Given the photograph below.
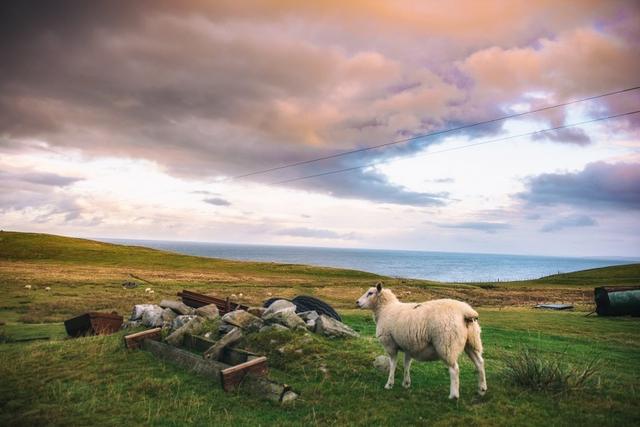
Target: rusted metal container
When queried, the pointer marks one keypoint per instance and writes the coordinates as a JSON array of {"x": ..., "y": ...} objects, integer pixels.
[
  {"x": 93, "y": 323},
  {"x": 195, "y": 300}
]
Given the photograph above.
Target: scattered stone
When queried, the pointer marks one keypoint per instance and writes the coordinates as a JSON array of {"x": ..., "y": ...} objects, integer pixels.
[
  {"x": 289, "y": 396},
  {"x": 330, "y": 327},
  {"x": 311, "y": 324},
  {"x": 286, "y": 318},
  {"x": 215, "y": 350},
  {"x": 130, "y": 324},
  {"x": 243, "y": 320},
  {"x": 308, "y": 315},
  {"x": 208, "y": 335},
  {"x": 129, "y": 285},
  {"x": 280, "y": 305},
  {"x": 257, "y": 311},
  {"x": 177, "y": 306},
  {"x": 381, "y": 363},
  {"x": 274, "y": 327},
  {"x": 180, "y": 321},
  {"x": 139, "y": 309},
  {"x": 191, "y": 327},
  {"x": 168, "y": 316},
  {"x": 210, "y": 312},
  {"x": 152, "y": 317}
]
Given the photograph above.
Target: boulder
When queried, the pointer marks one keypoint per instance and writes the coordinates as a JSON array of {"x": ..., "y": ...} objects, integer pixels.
[
  {"x": 180, "y": 321},
  {"x": 139, "y": 309},
  {"x": 168, "y": 315},
  {"x": 308, "y": 315},
  {"x": 274, "y": 327},
  {"x": 192, "y": 327},
  {"x": 152, "y": 317},
  {"x": 257, "y": 311},
  {"x": 177, "y": 306},
  {"x": 243, "y": 320},
  {"x": 210, "y": 312},
  {"x": 130, "y": 324},
  {"x": 381, "y": 363},
  {"x": 280, "y": 305},
  {"x": 311, "y": 324},
  {"x": 225, "y": 328},
  {"x": 285, "y": 318},
  {"x": 330, "y": 327}
]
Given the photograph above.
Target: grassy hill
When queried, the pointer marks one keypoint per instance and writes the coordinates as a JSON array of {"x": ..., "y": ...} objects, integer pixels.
[{"x": 96, "y": 381}]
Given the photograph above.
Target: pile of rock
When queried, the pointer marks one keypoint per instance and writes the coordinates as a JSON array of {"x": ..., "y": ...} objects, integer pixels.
[{"x": 178, "y": 319}]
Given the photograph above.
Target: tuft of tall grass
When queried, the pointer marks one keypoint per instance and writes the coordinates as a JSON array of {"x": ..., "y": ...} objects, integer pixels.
[{"x": 530, "y": 369}]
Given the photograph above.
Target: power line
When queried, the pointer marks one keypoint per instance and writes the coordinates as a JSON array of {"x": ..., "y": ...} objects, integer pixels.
[
  {"x": 440, "y": 132},
  {"x": 459, "y": 148}
]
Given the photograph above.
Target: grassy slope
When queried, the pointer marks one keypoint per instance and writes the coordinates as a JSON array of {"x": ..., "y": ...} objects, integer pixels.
[{"x": 95, "y": 381}]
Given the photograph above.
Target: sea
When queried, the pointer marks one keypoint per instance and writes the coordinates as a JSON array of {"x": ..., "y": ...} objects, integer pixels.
[{"x": 439, "y": 266}]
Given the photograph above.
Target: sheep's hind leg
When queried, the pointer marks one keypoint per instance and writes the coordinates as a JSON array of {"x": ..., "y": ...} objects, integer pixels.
[
  {"x": 393, "y": 361},
  {"x": 454, "y": 375},
  {"x": 406, "y": 383},
  {"x": 478, "y": 361}
]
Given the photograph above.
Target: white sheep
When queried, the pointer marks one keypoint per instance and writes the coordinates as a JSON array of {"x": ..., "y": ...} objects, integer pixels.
[
  {"x": 433, "y": 330},
  {"x": 47, "y": 289},
  {"x": 147, "y": 290},
  {"x": 27, "y": 287}
]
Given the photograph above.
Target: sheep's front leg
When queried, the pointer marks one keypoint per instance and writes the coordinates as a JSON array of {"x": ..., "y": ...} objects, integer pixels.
[
  {"x": 454, "y": 375},
  {"x": 406, "y": 383},
  {"x": 393, "y": 361}
]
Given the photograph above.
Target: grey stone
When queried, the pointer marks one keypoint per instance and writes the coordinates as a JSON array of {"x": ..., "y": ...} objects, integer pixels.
[
  {"x": 139, "y": 309},
  {"x": 286, "y": 318},
  {"x": 168, "y": 315},
  {"x": 180, "y": 321},
  {"x": 243, "y": 320},
  {"x": 152, "y": 317},
  {"x": 210, "y": 312},
  {"x": 274, "y": 327},
  {"x": 289, "y": 396},
  {"x": 311, "y": 324},
  {"x": 280, "y": 305},
  {"x": 381, "y": 363},
  {"x": 177, "y": 306},
  {"x": 130, "y": 324},
  {"x": 192, "y": 327},
  {"x": 225, "y": 328},
  {"x": 330, "y": 327},
  {"x": 257, "y": 311},
  {"x": 308, "y": 315}
]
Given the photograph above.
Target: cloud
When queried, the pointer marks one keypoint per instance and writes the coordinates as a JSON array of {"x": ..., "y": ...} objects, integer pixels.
[
  {"x": 40, "y": 178},
  {"x": 598, "y": 185},
  {"x": 314, "y": 233},
  {"x": 569, "y": 222},
  {"x": 487, "y": 227},
  {"x": 217, "y": 201},
  {"x": 221, "y": 88}
]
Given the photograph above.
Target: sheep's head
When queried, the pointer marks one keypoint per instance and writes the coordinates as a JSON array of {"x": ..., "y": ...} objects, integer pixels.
[{"x": 370, "y": 298}]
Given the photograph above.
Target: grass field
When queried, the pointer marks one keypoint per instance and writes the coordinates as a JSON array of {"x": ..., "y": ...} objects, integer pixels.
[{"x": 96, "y": 381}]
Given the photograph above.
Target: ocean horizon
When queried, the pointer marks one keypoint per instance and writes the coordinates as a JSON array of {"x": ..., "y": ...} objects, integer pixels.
[{"x": 409, "y": 264}]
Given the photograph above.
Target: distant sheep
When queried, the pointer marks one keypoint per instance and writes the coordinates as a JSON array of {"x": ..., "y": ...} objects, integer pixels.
[
  {"x": 47, "y": 289},
  {"x": 27, "y": 287},
  {"x": 433, "y": 330},
  {"x": 147, "y": 290}
]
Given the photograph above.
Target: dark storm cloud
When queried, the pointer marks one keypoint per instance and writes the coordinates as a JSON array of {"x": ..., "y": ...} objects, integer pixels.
[
  {"x": 598, "y": 185},
  {"x": 217, "y": 201},
  {"x": 222, "y": 88},
  {"x": 570, "y": 221},
  {"x": 487, "y": 227}
]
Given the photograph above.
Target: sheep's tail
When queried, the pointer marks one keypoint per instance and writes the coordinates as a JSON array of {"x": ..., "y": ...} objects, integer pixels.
[{"x": 473, "y": 328}]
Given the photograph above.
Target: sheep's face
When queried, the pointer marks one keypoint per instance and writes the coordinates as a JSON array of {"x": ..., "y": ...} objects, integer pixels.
[{"x": 370, "y": 298}]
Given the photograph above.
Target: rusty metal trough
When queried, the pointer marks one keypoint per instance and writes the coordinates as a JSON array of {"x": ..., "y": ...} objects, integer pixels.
[{"x": 93, "y": 323}]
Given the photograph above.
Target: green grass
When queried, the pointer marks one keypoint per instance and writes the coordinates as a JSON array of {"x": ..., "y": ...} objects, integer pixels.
[{"x": 96, "y": 381}]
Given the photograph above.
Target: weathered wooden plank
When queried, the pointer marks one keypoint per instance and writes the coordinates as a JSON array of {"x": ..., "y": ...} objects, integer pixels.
[
  {"x": 233, "y": 376},
  {"x": 215, "y": 350},
  {"x": 192, "y": 362},
  {"x": 230, "y": 355},
  {"x": 133, "y": 341}
]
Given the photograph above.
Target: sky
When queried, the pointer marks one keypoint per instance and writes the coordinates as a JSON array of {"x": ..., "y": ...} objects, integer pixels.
[{"x": 133, "y": 120}]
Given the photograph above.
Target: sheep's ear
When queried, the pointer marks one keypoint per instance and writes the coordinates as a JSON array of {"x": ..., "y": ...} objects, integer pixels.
[{"x": 379, "y": 286}]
